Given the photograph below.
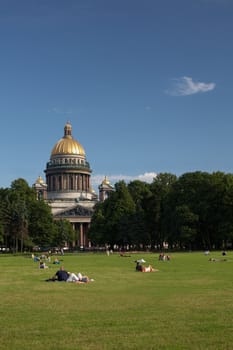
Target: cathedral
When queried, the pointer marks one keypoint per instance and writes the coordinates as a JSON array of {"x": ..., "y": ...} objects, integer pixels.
[{"x": 68, "y": 188}]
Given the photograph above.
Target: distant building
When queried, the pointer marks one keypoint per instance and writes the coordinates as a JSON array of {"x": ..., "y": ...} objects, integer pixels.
[{"x": 68, "y": 188}]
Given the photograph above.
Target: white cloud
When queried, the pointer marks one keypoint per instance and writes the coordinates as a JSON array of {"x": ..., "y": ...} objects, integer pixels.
[
  {"x": 185, "y": 86},
  {"x": 146, "y": 177}
]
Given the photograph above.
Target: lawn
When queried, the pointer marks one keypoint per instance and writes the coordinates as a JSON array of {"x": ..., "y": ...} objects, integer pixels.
[{"x": 187, "y": 304}]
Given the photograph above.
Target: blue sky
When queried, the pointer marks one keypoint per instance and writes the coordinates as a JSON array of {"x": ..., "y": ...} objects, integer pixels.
[{"x": 146, "y": 85}]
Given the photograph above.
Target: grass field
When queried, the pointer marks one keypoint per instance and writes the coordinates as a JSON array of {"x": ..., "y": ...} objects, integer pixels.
[{"x": 187, "y": 304}]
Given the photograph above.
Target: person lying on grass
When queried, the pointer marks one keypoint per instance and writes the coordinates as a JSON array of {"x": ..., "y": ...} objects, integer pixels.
[
  {"x": 42, "y": 265},
  {"x": 148, "y": 269},
  {"x": 217, "y": 260},
  {"x": 84, "y": 279},
  {"x": 142, "y": 268},
  {"x": 63, "y": 276}
]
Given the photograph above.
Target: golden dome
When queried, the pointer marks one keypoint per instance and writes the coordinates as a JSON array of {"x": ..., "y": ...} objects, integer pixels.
[
  {"x": 68, "y": 145},
  {"x": 105, "y": 181},
  {"x": 39, "y": 180}
]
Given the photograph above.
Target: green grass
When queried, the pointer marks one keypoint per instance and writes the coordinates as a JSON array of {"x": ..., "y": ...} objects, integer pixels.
[{"x": 188, "y": 304}]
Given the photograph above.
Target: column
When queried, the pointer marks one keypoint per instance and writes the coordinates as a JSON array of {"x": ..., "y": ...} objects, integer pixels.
[
  {"x": 74, "y": 229},
  {"x": 81, "y": 236}
]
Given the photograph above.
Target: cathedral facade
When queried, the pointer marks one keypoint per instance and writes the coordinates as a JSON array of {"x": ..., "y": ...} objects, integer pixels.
[{"x": 68, "y": 189}]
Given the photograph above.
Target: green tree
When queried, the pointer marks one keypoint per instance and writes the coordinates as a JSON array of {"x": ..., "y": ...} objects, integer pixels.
[
  {"x": 20, "y": 197},
  {"x": 64, "y": 234},
  {"x": 154, "y": 208},
  {"x": 209, "y": 211},
  {"x": 97, "y": 231},
  {"x": 110, "y": 222},
  {"x": 5, "y": 216},
  {"x": 118, "y": 209},
  {"x": 138, "y": 229},
  {"x": 185, "y": 228},
  {"x": 42, "y": 228}
]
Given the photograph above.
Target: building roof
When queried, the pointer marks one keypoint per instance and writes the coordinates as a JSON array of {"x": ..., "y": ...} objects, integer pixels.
[{"x": 67, "y": 145}]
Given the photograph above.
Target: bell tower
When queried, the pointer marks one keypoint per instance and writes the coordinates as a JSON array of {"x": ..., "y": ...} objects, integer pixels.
[
  {"x": 41, "y": 188},
  {"x": 105, "y": 188}
]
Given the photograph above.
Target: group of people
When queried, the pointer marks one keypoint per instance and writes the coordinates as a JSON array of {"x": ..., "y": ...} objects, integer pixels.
[
  {"x": 64, "y": 276},
  {"x": 163, "y": 257},
  {"x": 61, "y": 274},
  {"x": 42, "y": 264},
  {"x": 140, "y": 267}
]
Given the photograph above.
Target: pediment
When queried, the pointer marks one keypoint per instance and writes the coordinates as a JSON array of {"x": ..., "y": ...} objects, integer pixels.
[{"x": 77, "y": 211}]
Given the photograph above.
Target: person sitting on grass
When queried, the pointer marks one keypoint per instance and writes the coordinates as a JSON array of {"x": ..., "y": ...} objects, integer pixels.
[
  {"x": 139, "y": 267},
  {"x": 56, "y": 261},
  {"x": 161, "y": 256}
]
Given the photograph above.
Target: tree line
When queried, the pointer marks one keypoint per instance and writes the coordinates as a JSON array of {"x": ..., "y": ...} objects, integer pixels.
[
  {"x": 26, "y": 222},
  {"x": 193, "y": 211}
]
